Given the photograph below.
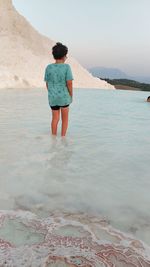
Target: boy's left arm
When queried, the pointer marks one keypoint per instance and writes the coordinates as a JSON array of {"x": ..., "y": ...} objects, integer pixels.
[{"x": 45, "y": 78}]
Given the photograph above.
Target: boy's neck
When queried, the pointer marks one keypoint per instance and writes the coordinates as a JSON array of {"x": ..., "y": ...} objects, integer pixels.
[{"x": 59, "y": 61}]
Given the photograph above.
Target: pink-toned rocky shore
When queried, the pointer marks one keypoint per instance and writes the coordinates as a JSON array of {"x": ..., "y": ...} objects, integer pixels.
[{"x": 66, "y": 240}]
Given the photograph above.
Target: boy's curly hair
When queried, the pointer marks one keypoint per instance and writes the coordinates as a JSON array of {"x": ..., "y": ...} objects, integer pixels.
[{"x": 59, "y": 51}]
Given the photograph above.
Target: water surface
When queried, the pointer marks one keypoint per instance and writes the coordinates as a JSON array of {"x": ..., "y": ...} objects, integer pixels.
[{"x": 101, "y": 167}]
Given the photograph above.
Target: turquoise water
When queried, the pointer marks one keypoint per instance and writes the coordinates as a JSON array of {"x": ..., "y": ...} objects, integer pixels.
[{"x": 101, "y": 167}]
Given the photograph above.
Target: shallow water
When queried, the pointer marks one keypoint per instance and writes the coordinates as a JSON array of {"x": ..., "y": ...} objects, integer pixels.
[{"x": 100, "y": 168}]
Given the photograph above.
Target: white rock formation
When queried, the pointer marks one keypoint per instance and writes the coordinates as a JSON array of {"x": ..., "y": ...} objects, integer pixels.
[{"x": 24, "y": 54}]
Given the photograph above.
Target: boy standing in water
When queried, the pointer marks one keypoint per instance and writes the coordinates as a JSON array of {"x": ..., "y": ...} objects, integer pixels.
[{"x": 58, "y": 78}]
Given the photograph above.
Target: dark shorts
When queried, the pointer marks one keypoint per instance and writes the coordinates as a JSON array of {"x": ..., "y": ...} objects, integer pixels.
[{"x": 58, "y": 107}]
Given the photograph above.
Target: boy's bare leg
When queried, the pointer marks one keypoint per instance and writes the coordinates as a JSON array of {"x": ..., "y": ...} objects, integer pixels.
[
  {"x": 55, "y": 120},
  {"x": 64, "y": 117}
]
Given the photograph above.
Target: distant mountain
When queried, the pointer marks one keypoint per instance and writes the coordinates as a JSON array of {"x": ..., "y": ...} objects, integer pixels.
[
  {"x": 142, "y": 79},
  {"x": 111, "y": 73},
  {"x": 114, "y": 73}
]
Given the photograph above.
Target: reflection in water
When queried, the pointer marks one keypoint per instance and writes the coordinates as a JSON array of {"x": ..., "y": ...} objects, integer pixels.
[{"x": 60, "y": 152}]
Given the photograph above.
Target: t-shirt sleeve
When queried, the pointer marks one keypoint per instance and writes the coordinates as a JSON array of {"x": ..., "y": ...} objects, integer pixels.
[
  {"x": 45, "y": 75},
  {"x": 69, "y": 75}
]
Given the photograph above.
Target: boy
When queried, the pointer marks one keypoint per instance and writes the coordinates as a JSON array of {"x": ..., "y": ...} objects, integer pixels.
[{"x": 58, "y": 78}]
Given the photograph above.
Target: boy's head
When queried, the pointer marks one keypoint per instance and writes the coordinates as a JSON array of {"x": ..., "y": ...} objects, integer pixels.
[
  {"x": 59, "y": 51},
  {"x": 148, "y": 99}
]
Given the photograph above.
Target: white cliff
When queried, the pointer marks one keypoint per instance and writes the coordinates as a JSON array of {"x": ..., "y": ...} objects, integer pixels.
[{"x": 24, "y": 54}]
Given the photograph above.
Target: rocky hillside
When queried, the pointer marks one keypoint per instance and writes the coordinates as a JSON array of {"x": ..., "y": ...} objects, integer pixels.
[{"x": 24, "y": 54}]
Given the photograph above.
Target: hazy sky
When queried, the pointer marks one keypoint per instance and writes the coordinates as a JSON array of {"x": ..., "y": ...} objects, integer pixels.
[{"x": 109, "y": 33}]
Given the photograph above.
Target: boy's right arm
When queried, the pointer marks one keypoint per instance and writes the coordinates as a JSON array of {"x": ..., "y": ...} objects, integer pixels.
[
  {"x": 69, "y": 78},
  {"x": 69, "y": 86}
]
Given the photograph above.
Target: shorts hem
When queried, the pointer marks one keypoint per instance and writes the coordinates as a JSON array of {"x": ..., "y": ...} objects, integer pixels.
[{"x": 57, "y": 107}]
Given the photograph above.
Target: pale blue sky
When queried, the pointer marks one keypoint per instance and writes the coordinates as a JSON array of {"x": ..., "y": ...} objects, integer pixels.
[{"x": 109, "y": 33}]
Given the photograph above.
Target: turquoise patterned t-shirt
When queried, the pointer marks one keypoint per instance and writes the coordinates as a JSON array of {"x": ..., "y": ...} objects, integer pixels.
[{"x": 56, "y": 75}]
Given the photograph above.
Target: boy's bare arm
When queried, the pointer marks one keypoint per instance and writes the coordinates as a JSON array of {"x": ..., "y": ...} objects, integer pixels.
[
  {"x": 47, "y": 85},
  {"x": 69, "y": 86}
]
